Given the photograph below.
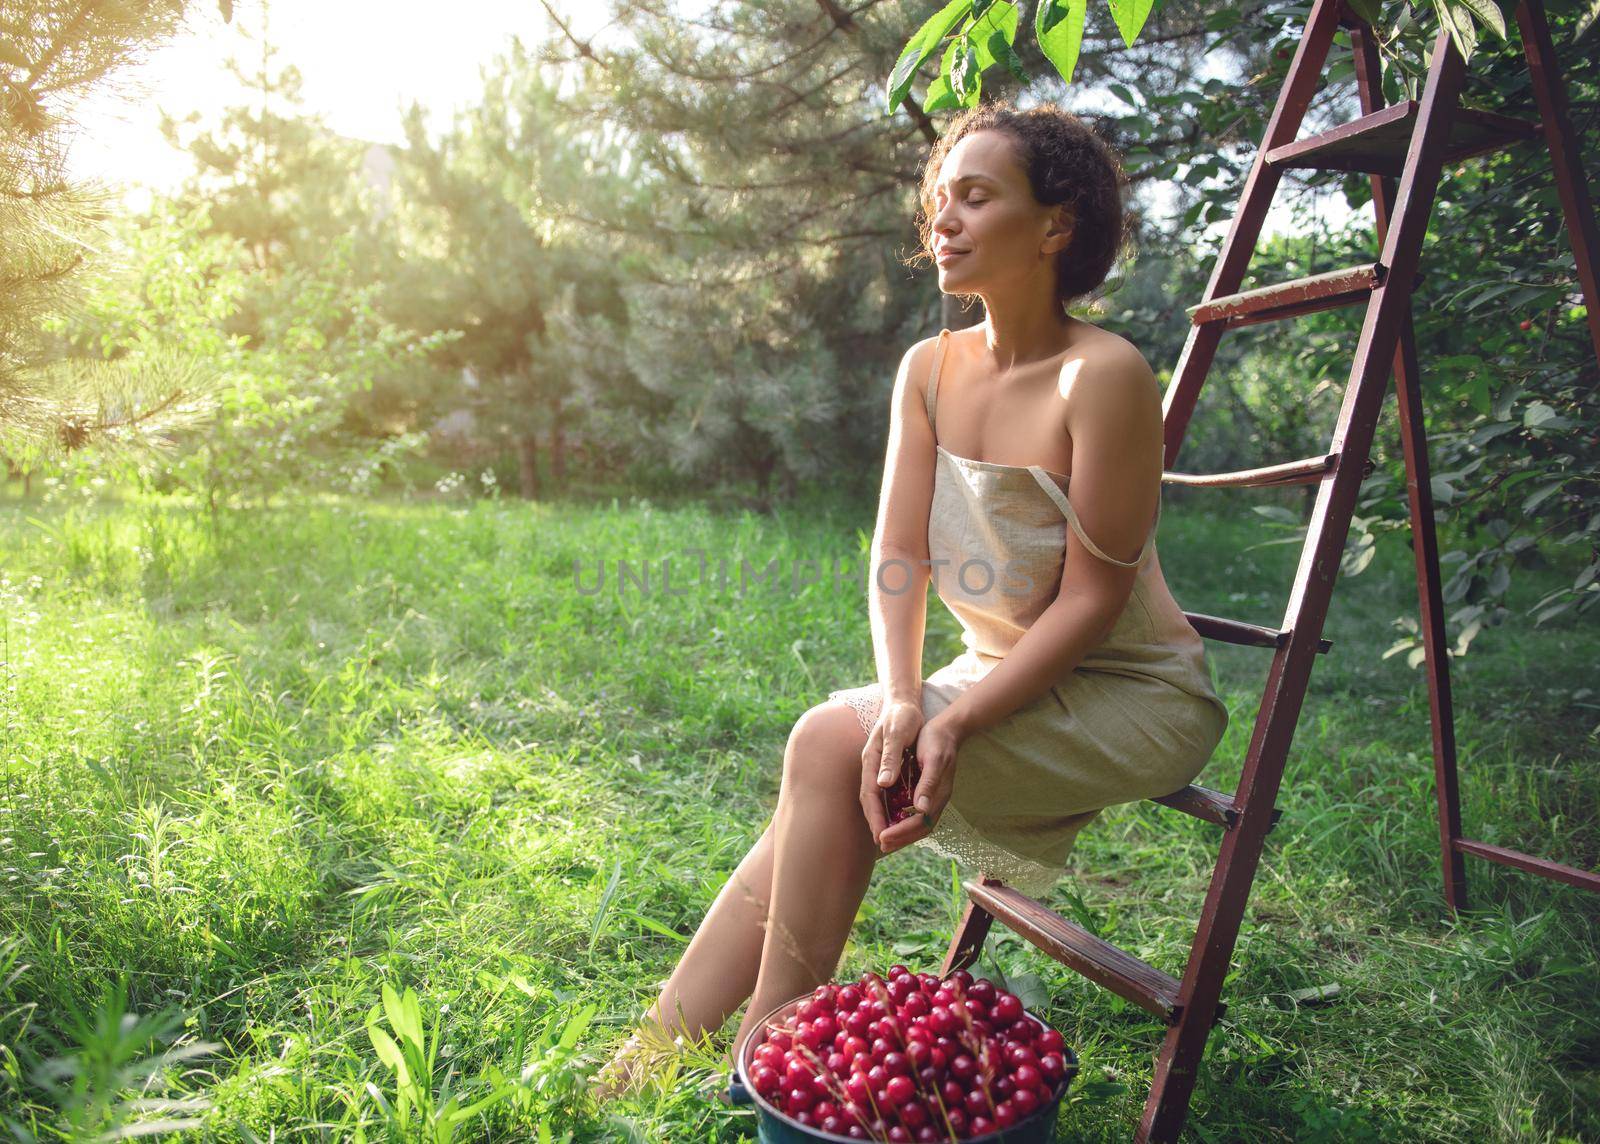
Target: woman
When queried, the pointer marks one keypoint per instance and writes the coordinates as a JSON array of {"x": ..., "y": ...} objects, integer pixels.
[{"x": 1082, "y": 684}]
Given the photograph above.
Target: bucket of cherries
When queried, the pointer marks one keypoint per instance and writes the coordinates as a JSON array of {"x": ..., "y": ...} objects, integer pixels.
[{"x": 909, "y": 1058}]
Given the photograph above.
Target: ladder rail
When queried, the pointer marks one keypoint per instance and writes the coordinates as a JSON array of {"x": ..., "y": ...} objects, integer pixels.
[
  {"x": 1212, "y": 951},
  {"x": 1239, "y": 245}
]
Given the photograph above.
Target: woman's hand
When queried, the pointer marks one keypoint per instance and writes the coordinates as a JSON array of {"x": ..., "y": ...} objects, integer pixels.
[
  {"x": 895, "y": 730},
  {"x": 936, "y": 752}
]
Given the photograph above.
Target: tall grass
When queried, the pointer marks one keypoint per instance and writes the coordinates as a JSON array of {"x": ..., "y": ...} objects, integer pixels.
[{"x": 365, "y": 821}]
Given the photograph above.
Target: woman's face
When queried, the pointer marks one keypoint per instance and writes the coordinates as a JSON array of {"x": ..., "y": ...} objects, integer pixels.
[{"x": 988, "y": 229}]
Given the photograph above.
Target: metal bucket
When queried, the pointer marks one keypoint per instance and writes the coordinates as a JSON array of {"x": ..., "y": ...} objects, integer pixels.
[{"x": 774, "y": 1127}]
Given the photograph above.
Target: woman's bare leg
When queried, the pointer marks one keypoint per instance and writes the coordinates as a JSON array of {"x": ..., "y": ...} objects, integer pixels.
[
  {"x": 718, "y": 969},
  {"x": 823, "y": 858},
  {"x": 729, "y": 953}
]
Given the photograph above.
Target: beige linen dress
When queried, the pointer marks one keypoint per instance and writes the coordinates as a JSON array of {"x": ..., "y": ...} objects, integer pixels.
[{"x": 1137, "y": 718}]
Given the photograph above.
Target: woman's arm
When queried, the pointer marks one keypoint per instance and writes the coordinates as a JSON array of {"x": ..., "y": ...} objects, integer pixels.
[
  {"x": 897, "y": 591},
  {"x": 1113, "y": 413}
]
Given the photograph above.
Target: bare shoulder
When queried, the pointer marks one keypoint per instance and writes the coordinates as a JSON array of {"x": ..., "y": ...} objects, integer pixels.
[
  {"x": 916, "y": 364},
  {"x": 1108, "y": 388},
  {"x": 1107, "y": 367}
]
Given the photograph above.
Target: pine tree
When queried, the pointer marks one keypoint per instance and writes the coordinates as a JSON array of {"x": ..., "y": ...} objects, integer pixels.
[
  {"x": 52, "y": 54},
  {"x": 535, "y": 295}
]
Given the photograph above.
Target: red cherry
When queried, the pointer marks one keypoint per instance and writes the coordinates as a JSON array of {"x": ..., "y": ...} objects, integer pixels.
[
  {"x": 765, "y": 1079},
  {"x": 1007, "y": 1008},
  {"x": 913, "y": 1113},
  {"x": 976, "y": 1101},
  {"x": 1005, "y": 1114},
  {"x": 900, "y": 1090},
  {"x": 981, "y": 1126},
  {"x": 799, "y": 1099},
  {"x": 838, "y": 1062},
  {"x": 952, "y": 1093},
  {"x": 929, "y": 1134},
  {"x": 803, "y": 1116},
  {"x": 1053, "y": 1066},
  {"x": 849, "y": 997},
  {"x": 1025, "y": 1101},
  {"x": 899, "y": 1134},
  {"x": 957, "y": 1118},
  {"x": 1050, "y": 1041},
  {"x": 1027, "y": 1076}
]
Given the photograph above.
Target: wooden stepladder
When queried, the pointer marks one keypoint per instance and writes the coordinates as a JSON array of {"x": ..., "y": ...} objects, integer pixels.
[{"x": 1411, "y": 141}]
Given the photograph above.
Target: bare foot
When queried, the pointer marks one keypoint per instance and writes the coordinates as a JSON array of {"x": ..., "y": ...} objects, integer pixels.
[{"x": 636, "y": 1060}]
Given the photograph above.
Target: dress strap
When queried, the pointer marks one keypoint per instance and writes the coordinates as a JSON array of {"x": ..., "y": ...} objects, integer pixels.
[
  {"x": 1060, "y": 498},
  {"x": 933, "y": 378}
]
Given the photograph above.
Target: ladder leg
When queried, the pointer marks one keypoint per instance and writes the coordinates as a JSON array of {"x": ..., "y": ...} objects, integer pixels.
[
  {"x": 1550, "y": 93},
  {"x": 1225, "y": 902},
  {"x": 967, "y": 943},
  {"x": 1425, "y": 553},
  {"x": 1424, "y": 538}
]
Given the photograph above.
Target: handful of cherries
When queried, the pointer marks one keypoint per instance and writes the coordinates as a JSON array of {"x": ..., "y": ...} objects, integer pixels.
[
  {"x": 897, "y": 804},
  {"x": 913, "y": 1058}
]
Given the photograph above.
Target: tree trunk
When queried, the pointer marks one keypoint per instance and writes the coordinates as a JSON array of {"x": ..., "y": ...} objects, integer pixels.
[
  {"x": 528, "y": 465},
  {"x": 558, "y": 443}
]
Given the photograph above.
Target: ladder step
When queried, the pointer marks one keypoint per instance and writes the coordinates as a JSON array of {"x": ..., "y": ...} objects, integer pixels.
[
  {"x": 1377, "y": 143},
  {"x": 1584, "y": 879},
  {"x": 1210, "y": 805},
  {"x": 1246, "y": 635},
  {"x": 1073, "y": 946},
  {"x": 1288, "y": 299},
  {"x": 1301, "y": 472}
]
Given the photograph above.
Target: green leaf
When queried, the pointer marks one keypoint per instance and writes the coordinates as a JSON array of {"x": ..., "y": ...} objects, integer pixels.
[
  {"x": 1458, "y": 20},
  {"x": 997, "y": 27},
  {"x": 1013, "y": 62},
  {"x": 964, "y": 73},
  {"x": 1587, "y": 21},
  {"x": 1130, "y": 16},
  {"x": 1276, "y": 512},
  {"x": 920, "y": 46},
  {"x": 656, "y": 927},
  {"x": 389, "y": 1053},
  {"x": 1537, "y": 414},
  {"x": 605, "y": 903},
  {"x": 1368, "y": 10},
  {"x": 1058, "y": 24},
  {"x": 1488, "y": 14},
  {"x": 940, "y": 95}
]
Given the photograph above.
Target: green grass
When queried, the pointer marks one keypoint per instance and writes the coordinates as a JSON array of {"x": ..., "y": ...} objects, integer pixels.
[{"x": 248, "y": 778}]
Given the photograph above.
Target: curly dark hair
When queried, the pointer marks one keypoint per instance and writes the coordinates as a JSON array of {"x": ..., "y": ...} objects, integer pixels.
[{"x": 1067, "y": 162}]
